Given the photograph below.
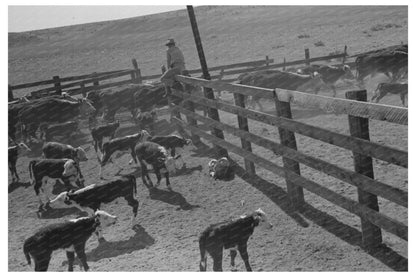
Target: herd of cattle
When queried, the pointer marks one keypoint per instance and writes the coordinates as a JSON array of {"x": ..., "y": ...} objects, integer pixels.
[{"x": 58, "y": 115}]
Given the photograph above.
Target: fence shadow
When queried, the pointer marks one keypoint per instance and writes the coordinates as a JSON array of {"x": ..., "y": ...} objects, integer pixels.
[
  {"x": 343, "y": 231},
  {"x": 172, "y": 198}
]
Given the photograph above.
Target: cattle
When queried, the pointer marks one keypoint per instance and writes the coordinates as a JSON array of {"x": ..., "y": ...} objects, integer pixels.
[
  {"x": 220, "y": 169},
  {"x": 14, "y": 152},
  {"x": 231, "y": 234},
  {"x": 384, "y": 88},
  {"x": 101, "y": 132},
  {"x": 91, "y": 197},
  {"x": 145, "y": 120},
  {"x": 280, "y": 79},
  {"x": 389, "y": 61},
  {"x": 122, "y": 144},
  {"x": 150, "y": 153},
  {"x": 13, "y": 116},
  {"x": 329, "y": 74},
  {"x": 174, "y": 143},
  {"x": 42, "y": 170},
  {"x": 70, "y": 236},
  {"x": 66, "y": 129},
  {"x": 52, "y": 110}
]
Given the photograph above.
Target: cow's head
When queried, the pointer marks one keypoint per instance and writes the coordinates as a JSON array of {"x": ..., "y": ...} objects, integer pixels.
[
  {"x": 105, "y": 219},
  {"x": 81, "y": 155},
  {"x": 23, "y": 148},
  {"x": 86, "y": 107},
  {"x": 70, "y": 169},
  {"x": 144, "y": 135},
  {"x": 347, "y": 72},
  {"x": 261, "y": 218},
  {"x": 63, "y": 200}
]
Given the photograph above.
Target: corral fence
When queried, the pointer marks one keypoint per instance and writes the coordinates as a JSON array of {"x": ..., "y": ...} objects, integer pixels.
[
  {"x": 81, "y": 84},
  {"x": 358, "y": 111}
]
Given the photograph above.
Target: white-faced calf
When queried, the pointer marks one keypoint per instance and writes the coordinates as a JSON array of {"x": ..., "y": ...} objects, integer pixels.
[
  {"x": 231, "y": 234},
  {"x": 71, "y": 236},
  {"x": 150, "y": 153},
  {"x": 101, "y": 132},
  {"x": 14, "y": 152},
  {"x": 59, "y": 169}
]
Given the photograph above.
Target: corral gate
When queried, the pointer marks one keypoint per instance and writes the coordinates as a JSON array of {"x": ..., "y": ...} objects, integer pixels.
[{"x": 359, "y": 112}]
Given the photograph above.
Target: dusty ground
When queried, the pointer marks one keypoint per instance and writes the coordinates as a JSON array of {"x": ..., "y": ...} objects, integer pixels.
[{"x": 320, "y": 238}]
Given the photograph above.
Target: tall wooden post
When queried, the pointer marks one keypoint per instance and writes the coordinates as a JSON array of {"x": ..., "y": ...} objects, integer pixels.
[
  {"x": 284, "y": 64},
  {"x": 57, "y": 84},
  {"x": 345, "y": 54},
  {"x": 212, "y": 113},
  {"x": 287, "y": 138},
  {"x": 243, "y": 125},
  {"x": 267, "y": 61},
  {"x": 137, "y": 73},
  {"x": 371, "y": 234},
  {"x": 11, "y": 97},
  {"x": 307, "y": 56},
  {"x": 95, "y": 82}
]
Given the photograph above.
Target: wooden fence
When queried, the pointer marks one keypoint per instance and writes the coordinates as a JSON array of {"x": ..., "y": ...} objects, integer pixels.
[
  {"x": 359, "y": 112},
  {"x": 81, "y": 84}
]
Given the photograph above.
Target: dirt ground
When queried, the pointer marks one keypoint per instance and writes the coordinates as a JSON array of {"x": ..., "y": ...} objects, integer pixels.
[{"x": 322, "y": 237}]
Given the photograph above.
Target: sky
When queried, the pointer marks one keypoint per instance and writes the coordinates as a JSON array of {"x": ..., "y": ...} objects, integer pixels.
[{"x": 27, "y": 18}]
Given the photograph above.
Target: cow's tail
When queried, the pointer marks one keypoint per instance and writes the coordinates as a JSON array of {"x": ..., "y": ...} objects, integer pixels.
[
  {"x": 203, "y": 251},
  {"x": 26, "y": 252},
  {"x": 31, "y": 174}
]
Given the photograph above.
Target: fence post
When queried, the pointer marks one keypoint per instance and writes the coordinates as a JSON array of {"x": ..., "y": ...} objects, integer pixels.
[
  {"x": 243, "y": 125},
  {"x": 345, "y": 54},
  {"x": 267, "y": 61},
  {"x": 287, "y": 138},
  {"x": 284, "y": 64},
  {"x": 307, "y": 57},
  {"x": 221, "y": 75},
  {"x": 84, "y": 94},
  {"x": 11, "y": 98},
  {"x": 371, "y": 234},
  {"x": 95, "y": 83},
  {"x": 57, "y": 84},
  {"x": 137, "y": 71}
]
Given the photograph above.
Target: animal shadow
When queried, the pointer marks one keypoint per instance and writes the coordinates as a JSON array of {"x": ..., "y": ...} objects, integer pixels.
[
  {"x": 58, "y": 213},
  {"x": 108, "y": 249},
  {"x": 186, "y": 171},
  {"x": 16, "y": 185},
  {"x": 171, "y": 197}
]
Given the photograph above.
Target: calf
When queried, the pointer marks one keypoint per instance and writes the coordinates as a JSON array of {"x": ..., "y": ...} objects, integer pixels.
[
  {"x": 384, "y": 88},
  {"x": 145, "y": 120},
  {"x": 14, "y": 152},
  {"x": 233, "y": 235},
  {"x": 66, "y": 129},
  {"x": 123, "y": 144},
  {"x": 101, "y": 132},
  {"x": 155, "y": 155},
  {"x": 71, "y": 236},
  {"x": 42, "y": 170},
  {"x": 220, "y": 169},
  {"x": 91, "y": 197}
]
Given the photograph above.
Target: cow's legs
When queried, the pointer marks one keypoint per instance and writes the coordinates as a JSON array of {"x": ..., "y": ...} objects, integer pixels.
[
  {"x": 217, "y": 257},
  {"x": 80, "y": 250},
  {"x": 242, "y": 248},
  {"x": 332, "y": 86},
  {"x": 133, "y": 155},
  {"x": 42, "y": 263},
  {"x": 233, "y": 254},
  {"x": 134, "y": 204},
  {"x": 402, "y": 97},
  {"x": 203, "y": 262},
  {"x": 167, "y": 181},
  {"x": 71, "y": 257},
  {"x": 13, "y": 172},
  {"x": 158, "y": 176}
]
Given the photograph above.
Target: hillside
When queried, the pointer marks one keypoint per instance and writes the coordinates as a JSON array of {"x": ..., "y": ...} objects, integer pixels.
[{"x": 229, "y": 34}]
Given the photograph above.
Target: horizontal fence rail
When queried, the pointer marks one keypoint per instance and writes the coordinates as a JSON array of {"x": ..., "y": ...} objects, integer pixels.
[
  {"x": 375, "y": 111},
  {"x": 378, "y": 219},
  {"x": 358, "y": 145}
]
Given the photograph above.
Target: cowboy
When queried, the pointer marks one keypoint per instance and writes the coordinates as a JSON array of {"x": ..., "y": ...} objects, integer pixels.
[{"x": 175, "y": 62}]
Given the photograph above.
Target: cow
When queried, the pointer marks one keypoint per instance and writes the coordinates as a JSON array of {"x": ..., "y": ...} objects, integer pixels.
[
  {"x": 280, "y": 79},
  {"x": 91, "y": 197},
  {"x": 150, "y": 153},
  {"x": 389, "y": 61},
  {"x": 42, "y": 170},
  {"x": 145, "y": 120},
  {"x": 384, "y": 88},
  {"x": 70, "y": 236},
  {"x": 220, "y": 169},
  {"x": 122, "y": 144},
  {"x": 101, "y": 132},
  {"x": 14, "y": 152},
  {"x": 52, "y": 110},
  {"x": 329, "y": 74},
  {"x": 66, "y": 129},
  {"x": 231, "y": 234},
  {"x": 13, "y": 116}
]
